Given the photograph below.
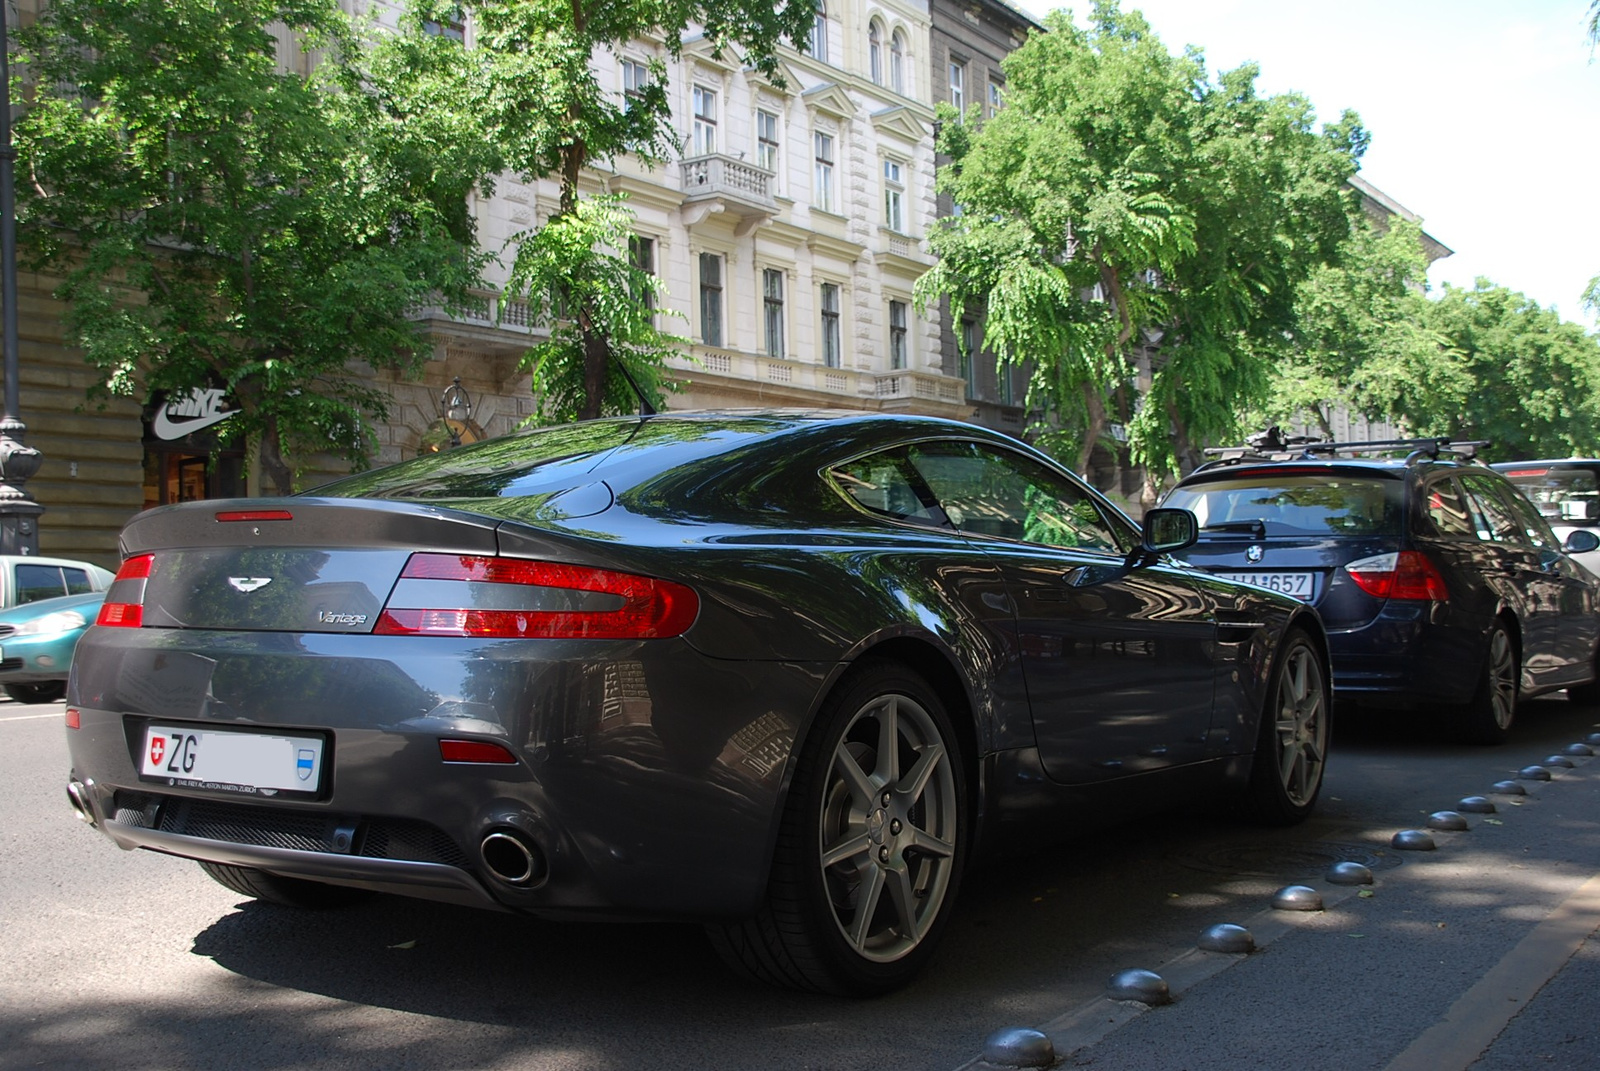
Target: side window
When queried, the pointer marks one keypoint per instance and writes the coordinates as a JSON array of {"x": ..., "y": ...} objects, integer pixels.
[
  {"x": 77, "y": 581},
  {"x": 1447, "y": 510},
  {"x": 1496, "y": 523},
  {"x": 1534, "y": 526},
  {"x": 882, "y": 484},
  {"x": 35, "y": 582},
  {"x": 988, "y": 491}
]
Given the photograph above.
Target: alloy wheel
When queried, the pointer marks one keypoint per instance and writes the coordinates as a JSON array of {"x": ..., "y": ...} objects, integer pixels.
[{"x": 1302, "y": 726}]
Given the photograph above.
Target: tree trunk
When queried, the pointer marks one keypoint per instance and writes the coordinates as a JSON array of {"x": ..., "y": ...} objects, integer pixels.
[
  {"x": 596, "y": 370},
  {"x": 272, "y": 464},
  {"x": 1095, "y": 408}
]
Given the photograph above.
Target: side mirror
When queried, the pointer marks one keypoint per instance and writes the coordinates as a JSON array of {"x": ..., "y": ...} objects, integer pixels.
[
  {"x": 1167, "y": 530},
  {"x": 1581, "y": 542}
]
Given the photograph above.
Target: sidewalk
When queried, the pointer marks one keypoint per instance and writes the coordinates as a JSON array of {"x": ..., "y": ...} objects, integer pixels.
[{"x": 1480, "y": 954}]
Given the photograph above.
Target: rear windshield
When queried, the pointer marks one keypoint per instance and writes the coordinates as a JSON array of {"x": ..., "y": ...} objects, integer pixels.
[
  {"x": 1565, "y": 494},
  {"x": 544, "y": 460},
  {"x": 1294, "y": 505}
]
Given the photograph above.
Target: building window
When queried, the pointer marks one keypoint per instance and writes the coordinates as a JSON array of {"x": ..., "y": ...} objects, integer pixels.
[
  {"x": 894, "y": 195},
  {"x": 830, "y": 325},
  {"x": 642, "y": 257},
  {"x": 897, "y": 62},
  {"x": 453, "y": 25},
  {"x": 823, "y": 179},
  {"x": 958, "y": 85},
  {"x": 897, "y": 334},
  {"x": 996, "y": 99},
  {"x": 711, "y": 299},
  {"x": 772, "y": 310},
  {"x": 819, "y": 32},
  {"x": 875, "y": 52},
  {"x": 767, "y": 141},
  {"x": 635, "y": 79},
  {"x": 1003, "y": 374},
  {"x": 969, "y": 357},
  {"x": 705, "y": 121}
]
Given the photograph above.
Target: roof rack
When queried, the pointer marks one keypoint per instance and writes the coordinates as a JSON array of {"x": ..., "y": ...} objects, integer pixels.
[{"x": 1271, "y": 445}]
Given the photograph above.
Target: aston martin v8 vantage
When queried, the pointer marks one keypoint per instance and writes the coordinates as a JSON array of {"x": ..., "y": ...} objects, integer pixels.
[{"x": 786, "y": 673}]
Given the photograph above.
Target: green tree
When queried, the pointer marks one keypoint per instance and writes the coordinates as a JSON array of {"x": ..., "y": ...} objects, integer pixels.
[
  {"x": 1362, "y": 339},
  {"x": 1535, "y": 378},
  {"x": 1122, "y": 196},
  {"x": 220, "y": 222},
  {"x": 529, "y": 77}
]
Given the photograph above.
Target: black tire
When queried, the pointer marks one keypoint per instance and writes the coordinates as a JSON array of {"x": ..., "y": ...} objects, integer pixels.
[
  {"x": 1487, "y": 719},
  {"x": 895, "y": 827},
  {"x": 276, "y": 889},
  {"x": 43, "y": 692},
  {"x": 1292, "y": 741}
]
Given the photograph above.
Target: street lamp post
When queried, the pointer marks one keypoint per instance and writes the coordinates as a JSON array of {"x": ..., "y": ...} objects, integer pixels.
[
  {"x": 455, "y": 407},
  {"x": 19, "y": 513}
]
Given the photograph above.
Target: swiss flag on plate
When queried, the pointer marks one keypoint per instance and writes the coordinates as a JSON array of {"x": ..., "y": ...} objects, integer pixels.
[{"x": 158, "y": 748}]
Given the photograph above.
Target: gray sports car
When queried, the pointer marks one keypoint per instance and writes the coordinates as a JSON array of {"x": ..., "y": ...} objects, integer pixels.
[{"x": 788, "y": 673}]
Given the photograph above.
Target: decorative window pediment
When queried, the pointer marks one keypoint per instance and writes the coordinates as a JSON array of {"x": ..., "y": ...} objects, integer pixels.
[
  {"x": 900, "y": 122},
  {"x": 830, "y": 99}
]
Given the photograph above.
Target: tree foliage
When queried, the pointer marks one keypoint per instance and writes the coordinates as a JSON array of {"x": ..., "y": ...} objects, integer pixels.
[
  {"x": 220, "y": 222},
  {"x": 529, "y": 79},
  {"x": 1362, "y": 339},
  {"x": 1122, "y": 191},
  {"x": 1535, "y": 379}
]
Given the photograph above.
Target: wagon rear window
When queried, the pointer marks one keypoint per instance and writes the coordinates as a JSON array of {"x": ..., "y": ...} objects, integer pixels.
[{"x": 1296, "y": 505}]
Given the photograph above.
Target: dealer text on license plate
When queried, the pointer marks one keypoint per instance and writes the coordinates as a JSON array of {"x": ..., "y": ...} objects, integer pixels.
[
  {"x": 1296, "y": 584},
  {"x": 232, "y": 761}
]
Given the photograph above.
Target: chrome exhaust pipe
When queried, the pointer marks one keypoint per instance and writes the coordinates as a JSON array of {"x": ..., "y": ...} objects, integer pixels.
[
  {"x": 78, "y": 796},
  {"x": 511, "y": 858}
]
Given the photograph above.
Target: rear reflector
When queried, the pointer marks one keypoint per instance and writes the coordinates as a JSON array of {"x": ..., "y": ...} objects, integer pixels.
[
  {"x": 74, "y": 718},
  {"x": 254, "y": 515},
  {"x": 1408, "y": 574},
  {"x": 521, "y": 599},
  {"x": 124, "y": 605},
  {"x": 475, "y": 751}
]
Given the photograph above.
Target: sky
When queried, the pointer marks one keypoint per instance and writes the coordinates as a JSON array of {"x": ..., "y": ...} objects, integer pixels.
[{"x": 1484, "y": 116}]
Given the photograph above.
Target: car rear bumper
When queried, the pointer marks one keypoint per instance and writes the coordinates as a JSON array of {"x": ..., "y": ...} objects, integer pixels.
[
  {"x": 648, "y": 777},
  {"x": 1412, "y": 652}
]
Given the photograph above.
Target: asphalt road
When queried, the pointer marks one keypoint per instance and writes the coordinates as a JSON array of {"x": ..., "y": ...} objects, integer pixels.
[{"x": 1477, "y": 949}]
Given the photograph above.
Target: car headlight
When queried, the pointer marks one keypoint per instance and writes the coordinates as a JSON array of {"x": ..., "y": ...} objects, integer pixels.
[{"x": 60, "y": 621}]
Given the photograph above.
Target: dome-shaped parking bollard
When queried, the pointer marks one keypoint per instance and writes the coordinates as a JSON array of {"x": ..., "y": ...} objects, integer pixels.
[
  {"x": 1509, "y": 788},
  {"x": 1559, "y": 761},
  {"x": 1582, "y": 751},
  {"x": 1147, "y": 987},
  {"x": 1226, "y": 937},
  {"x": 1534, "y": 773},
  {"x": 1593, "y": 738},
  {"x": 1017, "y": 1046},
  {"x": 1348, "y": 873},
  {"x": 1412, "y": 840},
  {"x": 1450, "y": 820},
  {"x": 1476, "y": 804},
  {"x": 1297, "y": 898}
]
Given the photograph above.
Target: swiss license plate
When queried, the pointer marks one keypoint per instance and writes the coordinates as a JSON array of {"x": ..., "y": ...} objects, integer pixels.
[
  {"x": 1296, "y": 584},
  {"x": 225, "y": 761}
]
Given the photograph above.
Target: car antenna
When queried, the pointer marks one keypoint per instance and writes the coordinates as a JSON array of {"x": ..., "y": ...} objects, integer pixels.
[{"x": 645, "y": 408}]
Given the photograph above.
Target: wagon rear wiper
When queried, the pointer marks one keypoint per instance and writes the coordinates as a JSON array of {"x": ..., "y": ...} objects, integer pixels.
[{"x": 1254, "y": 529}]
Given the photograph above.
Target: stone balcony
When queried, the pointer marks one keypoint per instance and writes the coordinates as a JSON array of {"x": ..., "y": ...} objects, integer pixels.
[{"x": 718, "y": 183}]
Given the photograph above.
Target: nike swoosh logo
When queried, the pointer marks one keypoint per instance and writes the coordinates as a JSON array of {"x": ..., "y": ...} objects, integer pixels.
[{"x": 165, "y": 427}]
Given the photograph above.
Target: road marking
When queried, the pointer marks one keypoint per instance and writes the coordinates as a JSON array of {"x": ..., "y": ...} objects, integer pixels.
[
  {"x": 1482, "y": 1012},
  {"x": 33, "y": 717}
]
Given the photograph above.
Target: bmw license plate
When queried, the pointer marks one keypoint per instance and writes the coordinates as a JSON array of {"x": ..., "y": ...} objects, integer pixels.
[
  {"x": 225, "y": 761},
  {"x": 1296, "y": 584}
]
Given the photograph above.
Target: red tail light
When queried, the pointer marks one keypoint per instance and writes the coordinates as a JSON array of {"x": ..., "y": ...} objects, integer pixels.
[
  {"x": 124, "y": 605},
  {"x": 254, "y": 515},
  {"x": 475, "y": 751},
  {"x": 464, "y": 595},
  {"x": 1408, "y": 574}
]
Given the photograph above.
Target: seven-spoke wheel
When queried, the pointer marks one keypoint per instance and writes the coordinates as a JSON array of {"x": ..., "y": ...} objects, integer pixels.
[
  {"x": 872, "y": 844},
  {"x": 1292, "y": 745}
]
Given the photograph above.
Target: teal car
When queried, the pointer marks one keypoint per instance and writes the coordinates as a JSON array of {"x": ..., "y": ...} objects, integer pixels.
[{"x": 36, "y": 644}]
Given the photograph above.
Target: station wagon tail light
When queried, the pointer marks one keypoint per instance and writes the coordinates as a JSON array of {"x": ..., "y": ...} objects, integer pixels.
[
  {"x": 1407, "y": 574},
  {"x": 124, "y": 605},
  {"x": 516, "y": 598}
]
